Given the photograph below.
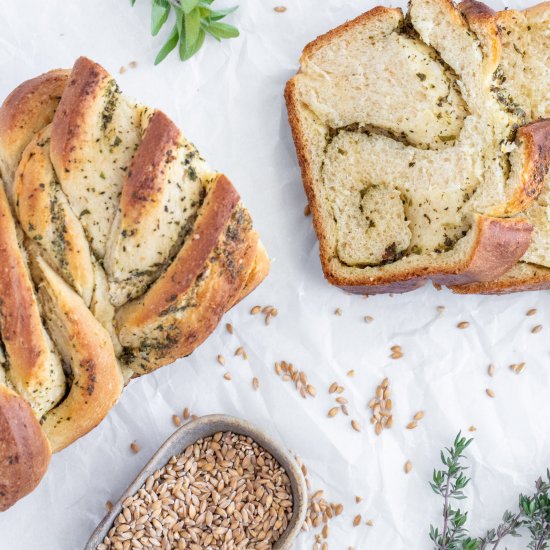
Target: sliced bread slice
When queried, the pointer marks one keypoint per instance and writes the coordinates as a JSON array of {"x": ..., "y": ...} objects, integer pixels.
[{"x": 411, "y": 160}]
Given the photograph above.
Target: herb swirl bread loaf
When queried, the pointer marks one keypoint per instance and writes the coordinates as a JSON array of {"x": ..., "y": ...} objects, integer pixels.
[
  {"x": 419, "y": 159},
  {"x": 121, "y": 250}
]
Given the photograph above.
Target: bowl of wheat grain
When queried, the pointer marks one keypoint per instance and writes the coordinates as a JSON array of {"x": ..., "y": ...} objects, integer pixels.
[{"x": 218, "y": 482}]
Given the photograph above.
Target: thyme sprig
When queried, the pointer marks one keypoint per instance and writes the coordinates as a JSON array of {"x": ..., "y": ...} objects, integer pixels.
[
  {"x": 450, "y": 484},
  {"x": 532, "y": 515},
  {"x": 536, "y": 514},
  {"x": 509, "y": 526},
  {"x": 194, "y": 19}
]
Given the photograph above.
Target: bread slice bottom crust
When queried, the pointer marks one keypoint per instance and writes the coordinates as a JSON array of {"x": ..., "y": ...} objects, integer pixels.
[{"x": 490, "y": 248}]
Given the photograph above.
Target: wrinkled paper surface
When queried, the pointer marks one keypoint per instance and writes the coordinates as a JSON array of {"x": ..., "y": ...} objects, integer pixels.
[{"x": 229, "y": 101}]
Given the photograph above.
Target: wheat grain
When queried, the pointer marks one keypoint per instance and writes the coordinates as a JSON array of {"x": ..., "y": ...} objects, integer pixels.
[{"x": 224, "y": 491}]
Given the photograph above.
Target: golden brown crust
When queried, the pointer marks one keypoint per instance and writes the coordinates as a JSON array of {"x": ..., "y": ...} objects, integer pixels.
[
  {"x": 538, "y": 278},
  {"x": 481, "y": 19},
  {"x": 500, "y": 243},
  {"x": 472, "y": 9},
  {"x": 536, "y": 139},
  {"x": 29, "y": 108},
  {"x": 224, "y": 278},
  {"x": 47, "y": 219},
  {"x": 328, "y": 37},
  {"x": 259, "y": 271},
  {"x": 19, "y": 320},
  {"x": 306, "y": 168},
  {"x": 146, "y": 176},
  {"x": 87, "y": 349},
  {"x": 180, "y": 330},
  {"x": 537, "y": 11},
  {"x": 25, "y": 340},
  {"x": 86, "y": 83},
  {"x": 189, "y": 262},
  {"x": 185, "y": 304},
  {"x": 24, "y": 449}
]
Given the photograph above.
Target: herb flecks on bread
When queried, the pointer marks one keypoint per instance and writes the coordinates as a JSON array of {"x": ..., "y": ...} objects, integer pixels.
[{"x": 120, "y": 251}]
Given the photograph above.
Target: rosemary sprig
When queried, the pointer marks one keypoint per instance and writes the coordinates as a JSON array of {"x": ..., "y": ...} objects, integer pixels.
[
  {"x": 193, "y": 20},
  {"x": 533, "y": 512}
]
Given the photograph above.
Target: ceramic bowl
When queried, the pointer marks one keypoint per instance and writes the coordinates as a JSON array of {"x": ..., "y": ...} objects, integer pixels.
[{"x": 205, "y": 427}]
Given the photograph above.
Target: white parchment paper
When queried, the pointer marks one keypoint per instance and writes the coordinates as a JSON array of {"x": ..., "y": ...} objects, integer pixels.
[{"x": 229, "y": 101}]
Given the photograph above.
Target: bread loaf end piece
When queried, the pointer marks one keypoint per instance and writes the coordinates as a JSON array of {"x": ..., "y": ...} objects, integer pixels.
[{"x": 24, "y": 449}]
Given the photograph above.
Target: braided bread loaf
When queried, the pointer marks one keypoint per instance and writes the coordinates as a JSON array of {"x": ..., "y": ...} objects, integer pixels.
[{"x": 121, "y": 250}]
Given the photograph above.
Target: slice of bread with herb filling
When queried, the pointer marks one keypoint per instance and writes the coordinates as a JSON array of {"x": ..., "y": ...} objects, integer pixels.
[{"x": 416, "y": 161}]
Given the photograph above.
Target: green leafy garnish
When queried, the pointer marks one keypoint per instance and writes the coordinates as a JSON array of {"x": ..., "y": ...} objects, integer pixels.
[
  {"x": 193, "y": 20},
  {"x": 449, "y": 483},
  {"x": 532, "y": 515}
]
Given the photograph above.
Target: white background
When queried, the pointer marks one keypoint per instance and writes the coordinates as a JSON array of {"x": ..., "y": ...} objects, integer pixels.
[{"x": 229, "y": 101}]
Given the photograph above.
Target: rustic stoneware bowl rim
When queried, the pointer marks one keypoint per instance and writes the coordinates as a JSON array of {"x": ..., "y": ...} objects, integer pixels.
[{"x": 206, "y": 426}]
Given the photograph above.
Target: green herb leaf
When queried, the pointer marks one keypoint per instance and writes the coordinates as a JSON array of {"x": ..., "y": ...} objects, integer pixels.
[
  {"x": 194, "y": 18},
  {"x": 192, "y": 28},
  {"x": 159, "y": 14},
  {"x": 170, "y": 44},
  {"x": 180, "y": 19},
  {"x": 222, "y": 30},
  {"x": 220, "y": 14},
  {"x": 533, "y": 512},
  {"x": 194, "y": 48},
  {"x": 188, "y": 5}
]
